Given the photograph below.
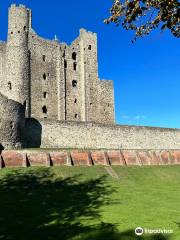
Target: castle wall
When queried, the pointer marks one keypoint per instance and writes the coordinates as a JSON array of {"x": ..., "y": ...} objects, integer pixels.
[
  {"x": 3, "y": 83},
  {"x": 12, "y": 123},
  {"x": 44, "y": 82},
  {"x": 74, "y": 83},
  {"x": 58, "y": 134},
  {"x": 82, "y": 100},
  {"x": 105, "y": 102}
]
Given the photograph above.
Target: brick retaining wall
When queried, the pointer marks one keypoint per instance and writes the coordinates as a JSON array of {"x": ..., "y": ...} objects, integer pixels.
[{"x": 76, "y": 158}]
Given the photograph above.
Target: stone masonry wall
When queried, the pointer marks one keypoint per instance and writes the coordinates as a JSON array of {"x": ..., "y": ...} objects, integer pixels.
[
  {"x": 52, "y": 79},
  {"x": 57, "y": 134},
  {"x": 12, "y": 123}
]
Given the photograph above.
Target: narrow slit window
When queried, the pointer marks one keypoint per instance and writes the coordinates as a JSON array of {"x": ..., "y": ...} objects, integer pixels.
[
  {"x": 74, "y": 56},
  {"x": 65, "y": 64},
  {"x": 9, "y": 85},
  {"x": 24, "y": 28},
  {"x": 44, "y": 109},
  {"x": 75, "y": 116},
  {"x": 45, "y": 94},
  {"x": 75, "y": 100},
  {"x": 44, "y": 58},
  {"x": 44, "y": 76},
  {"x": 74, "y": 66},
  {"x": 74, "y": 83}
]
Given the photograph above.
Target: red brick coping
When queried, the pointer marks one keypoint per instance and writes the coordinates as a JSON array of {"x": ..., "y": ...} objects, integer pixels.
[{"x": 76, "y": 158}]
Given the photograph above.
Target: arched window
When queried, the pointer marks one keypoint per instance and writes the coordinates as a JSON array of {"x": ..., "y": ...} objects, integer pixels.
[
  {"x": 74, "y": 83},
  {"x": 44, "y": 109},
  {"x": 74, "y": 56}
]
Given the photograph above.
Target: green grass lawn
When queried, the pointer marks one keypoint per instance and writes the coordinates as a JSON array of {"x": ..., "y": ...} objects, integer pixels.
[{"x": 86, "y": 203}]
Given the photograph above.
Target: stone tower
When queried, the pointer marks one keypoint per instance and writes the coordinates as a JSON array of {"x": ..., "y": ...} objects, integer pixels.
[
  {"x": 17, "y": 56},
  {"x": 48, "y": 79}
]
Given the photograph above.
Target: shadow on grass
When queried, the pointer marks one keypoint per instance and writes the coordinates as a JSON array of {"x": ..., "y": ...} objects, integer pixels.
[{"x": 36, "y": 206}]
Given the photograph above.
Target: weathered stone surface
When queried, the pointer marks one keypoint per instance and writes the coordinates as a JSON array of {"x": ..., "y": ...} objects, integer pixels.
[
  {"x": 98, "y": 158},
  {"x": 59, "y": 158},
  {"x": 12, "y": 159},
  {"x": 115, "y": 158},
  {"x": 80, "y": 158},
  {"x": 130, "y": 157},
  {"x": 37, "y": 159},
  {"x": 85, "y": 135}
]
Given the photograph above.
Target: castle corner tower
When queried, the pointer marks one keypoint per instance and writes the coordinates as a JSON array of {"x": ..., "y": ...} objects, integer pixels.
[{"x": 17, "y": 56}]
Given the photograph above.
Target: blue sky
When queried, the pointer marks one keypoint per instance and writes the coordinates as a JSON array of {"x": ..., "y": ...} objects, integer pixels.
[{"x": 146, "y": 75}]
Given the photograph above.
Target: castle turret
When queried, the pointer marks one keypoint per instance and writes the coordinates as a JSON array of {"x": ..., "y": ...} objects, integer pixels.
[
  {"x": 12, "y": 123},
  {"x": 17, "y": 56}
]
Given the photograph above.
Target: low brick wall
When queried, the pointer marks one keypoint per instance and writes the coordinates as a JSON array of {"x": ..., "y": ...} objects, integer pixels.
[{"x": 89, "y": 158}]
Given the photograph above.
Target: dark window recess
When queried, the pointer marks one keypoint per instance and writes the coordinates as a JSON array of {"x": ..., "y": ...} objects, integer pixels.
[
  {"x": 74, "y": 83},
  {"x": 74, "y": 56},
  {"x": 24, "y": 104},
  {"x": 11, "y": 125},
  {"x": 91, "y": 104},
  {"x": 44, "y": 58},
  {"x": 9, "y": 85},
  {"x": 89, "y": 47},
  {"x": 75, "y": 100},
  {"x": 24, "y": 28},
  {"x": 76, "y": 115},
  {"x": 45, "y": 94},
  {"x": 74, "y": 66},
  {"x": 44, "y": 76},
  {"x": 65, "y": 64},
  {"x": 11, "y": 33},
  {"x": 18, "y": 31},
  {"x": 44, "y": 109}
]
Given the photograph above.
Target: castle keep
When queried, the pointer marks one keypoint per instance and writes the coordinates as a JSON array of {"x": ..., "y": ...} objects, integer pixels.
[
  {"x": 51, "y": 79},
  {"x": 51, "y": 96}
]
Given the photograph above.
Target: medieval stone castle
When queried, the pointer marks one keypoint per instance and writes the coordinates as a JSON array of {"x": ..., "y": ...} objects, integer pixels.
[{"x": 51, "y": 96}]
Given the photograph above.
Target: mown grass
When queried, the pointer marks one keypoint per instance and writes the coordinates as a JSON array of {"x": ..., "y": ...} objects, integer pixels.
[{"x": 86, "y": 203}]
